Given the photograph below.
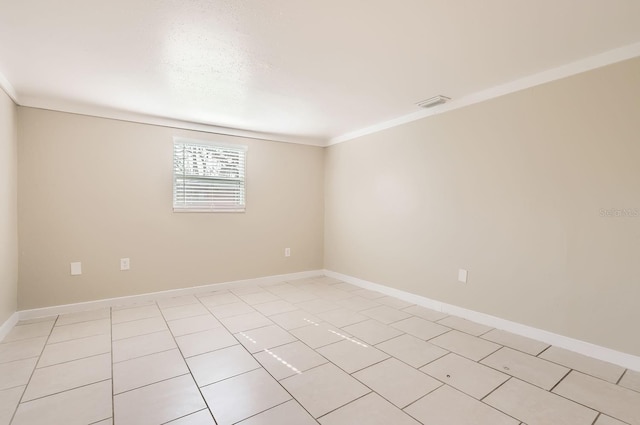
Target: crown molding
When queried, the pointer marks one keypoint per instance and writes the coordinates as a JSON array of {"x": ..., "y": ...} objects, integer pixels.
[
  {"x": 587, "y": 64},
  {"x": 119, "y": 115},
  {"x": 8, "y": 88}
]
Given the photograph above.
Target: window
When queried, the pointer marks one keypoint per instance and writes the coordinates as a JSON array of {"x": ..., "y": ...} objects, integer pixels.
[{"x": 208, "y": 177}]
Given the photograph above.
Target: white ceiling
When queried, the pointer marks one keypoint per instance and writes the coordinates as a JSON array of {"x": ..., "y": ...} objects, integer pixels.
[{"x": 306, "y": 70}]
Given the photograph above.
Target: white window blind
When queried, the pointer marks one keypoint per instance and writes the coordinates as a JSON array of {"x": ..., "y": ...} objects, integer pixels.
[{"x": 208, "y": 177}]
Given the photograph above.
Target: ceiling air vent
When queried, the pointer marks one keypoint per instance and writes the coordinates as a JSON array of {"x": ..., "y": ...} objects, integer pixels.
[{"x": 433, "y": 101}]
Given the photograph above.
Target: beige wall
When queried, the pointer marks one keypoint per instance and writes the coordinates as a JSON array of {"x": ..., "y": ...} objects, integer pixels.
[
  {"x": 95, "y": 190},
  {"x": 8, "y": 206},
  {"x": 512, "y": 190}
]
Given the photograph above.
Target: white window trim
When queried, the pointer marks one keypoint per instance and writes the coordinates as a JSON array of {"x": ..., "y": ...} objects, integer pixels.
[{"x": 181, "y": 209}]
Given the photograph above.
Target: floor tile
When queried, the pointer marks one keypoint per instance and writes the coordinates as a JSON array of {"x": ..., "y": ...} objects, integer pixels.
[
  {"x": 372, "y": 331},
  {"x": 190, "y": 325},
  {"x": 324, "y": 388},
  {"x": 75, "y": 349},
  {"x": 275, "y": 307},
  {"x": 245, "y": 322},
  {"x": 610, "y": 399},
  {"x": 420, "y": 328},
  {"x": 343, "y": 286},
  {"x": 318, "y": 335},
  {"x": 224, "y": 311},
  {"x": 205, "y": 341},
  {"x": 466, "y": 345},
  {"x": 318, "y": 306},
  {"x": 352, "y": 355},
  {"x": 517, "y": 342},
  {"x": 18, "y": 350},
  {"x": 298, "y": 296},
  {"x": 465, "y": 375},
  {"x": 280, "y": 288},
  {"x": 386, "y": 314},
  {"x": 32, "y": 330},
  {"x": 332, "y": 294},
  {"x": 266, "y": 337},
  {"x": 146, "y": 370},
  {"x": 37, "y": 319},
  {"x": 425, "y": 313},
  {"x": 342, "y": 317},
  {"x": 589, "y": 365},
  {"x": 9, "y": 400},
  {"x": 135, "y": 313},
  {"x": 158, "y": 403},
  {"x": 606, "y": 420},
  {"x": 242, "y": 396},
  {"x": 357, "y": 303},
  {"x": 138, "y": 327},
  {"x": 528, "y": 368},
  {"x": 258, "y": 298},
  {"x": 394, "y": 302},
  {"x": 465, "y": 325},
  {"x": 65, "y": 376},
  {"x": 397, "y": 382},
  {"x": 183, "y": 311},
  {"x": 202, "y": 417},
  {"x": 536, "y": 406},
  {"x": 80, "y": 330},
  {"x": 249, "y": 289},
  {"x": 288, "y": 413},
  {"x": 371, "y": 410},
  {"x": 221, "y": 364},
  {"x": 177, "y": 301},
  {"x": 412, "y": 350},
  {"x": 218, "y": 299},
  {"x": 325, "y": 280},
  {"x": 80, "y": 406},
  {"x": 294, "y": 319},
  {"x": 130, "y": 348},
  {"x": 84, "y": 316},
  {"x": 132, "y": 304},
  {"x": 447, "y": 406},
  {"x": 631, "y": 380},
  {"x": 367, "y": 293},
  {"x": 16, "y": 373},
  {"x": 289, "y": 359}
]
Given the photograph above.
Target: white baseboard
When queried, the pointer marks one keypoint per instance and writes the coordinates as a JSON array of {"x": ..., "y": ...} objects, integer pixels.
[
  {"x": 6, "y": 327},
  {"x": 110, "y": 302},
  {"x": 596, "y": 351}
]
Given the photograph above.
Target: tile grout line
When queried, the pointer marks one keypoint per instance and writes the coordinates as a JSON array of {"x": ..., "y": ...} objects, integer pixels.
[
  {"x": 184, "y": 416},
  {"x": 68, "y": 389},
  {"x": 561, "y": 379},
  {"x": 262, "y": 367},
  {"x": 482, "y": 400},
  {"x": 501, "y": 346},
  {"x": 204, "y": 400},
  {"x": 15, "y": 411},
  {"x": 621, "y": 376},
  {"x": 349, "y": 374}
]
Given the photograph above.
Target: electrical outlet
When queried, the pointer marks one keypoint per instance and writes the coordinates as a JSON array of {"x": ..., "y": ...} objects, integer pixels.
[
  {"x": 462, "y": 275},
  {"x": 287, "y": 252},
  {"x": 124, "y": 264},
  {"x": 76, "y": 268}
]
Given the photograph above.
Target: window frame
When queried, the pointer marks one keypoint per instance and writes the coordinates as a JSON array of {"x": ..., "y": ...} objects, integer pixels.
[{"x": 239, "y": 208}]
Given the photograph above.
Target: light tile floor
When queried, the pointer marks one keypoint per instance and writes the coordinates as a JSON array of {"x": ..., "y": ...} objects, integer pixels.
[{"x": 302, "y": 352}]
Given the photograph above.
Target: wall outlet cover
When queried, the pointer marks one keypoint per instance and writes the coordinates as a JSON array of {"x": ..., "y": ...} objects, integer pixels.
[
  {"x": 76, "y": 268},
  {"x": 462, "y": 275},
  {"x": 125, "y": 264}
]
